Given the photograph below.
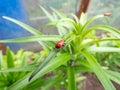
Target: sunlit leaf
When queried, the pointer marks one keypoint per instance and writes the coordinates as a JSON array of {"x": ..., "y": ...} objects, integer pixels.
[
  {"x": 33, "y": 39},
  {"x": 83, "y": 18},
  {"x": 103, "y": 49},
  {"x": 23, "y": 25}
]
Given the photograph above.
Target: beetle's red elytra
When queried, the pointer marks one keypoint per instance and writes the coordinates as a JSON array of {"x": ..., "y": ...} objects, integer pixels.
[
  {"x": 107, "y": 14},
  {"x": 59, "y": 44}
]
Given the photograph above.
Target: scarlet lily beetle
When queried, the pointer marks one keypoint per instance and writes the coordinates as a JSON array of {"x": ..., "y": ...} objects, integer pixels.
[
  {"x": 107, "y": 14},
  {"x": 59, "y": 44}
]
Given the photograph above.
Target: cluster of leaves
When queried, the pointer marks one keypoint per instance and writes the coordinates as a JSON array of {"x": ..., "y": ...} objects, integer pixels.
[
  {"x": 15, "y": 66},
  {"x": 80, "y": 53}
]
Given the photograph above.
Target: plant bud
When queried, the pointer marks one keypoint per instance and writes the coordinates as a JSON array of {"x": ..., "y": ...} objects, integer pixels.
[{"x": 107, "y": 14}]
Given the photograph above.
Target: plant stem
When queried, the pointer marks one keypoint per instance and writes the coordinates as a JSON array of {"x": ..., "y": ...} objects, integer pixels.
[{"x": 71, "y": 78}]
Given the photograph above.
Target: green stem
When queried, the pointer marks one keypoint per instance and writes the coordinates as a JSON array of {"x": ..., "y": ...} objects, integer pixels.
[{"x": 71, "y": 78}]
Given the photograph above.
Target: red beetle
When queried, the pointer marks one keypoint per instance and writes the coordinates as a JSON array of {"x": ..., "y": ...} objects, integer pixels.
[
  {"x": 59, "y": 44},
  {"x": 107, "y": 14}
]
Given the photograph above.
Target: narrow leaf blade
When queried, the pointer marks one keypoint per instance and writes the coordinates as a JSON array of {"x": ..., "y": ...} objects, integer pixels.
[
  {"x": 10, "y": 59},
  {"x": 103, "y": 49},
  {"x": 55, "y": 63},
  {"x": 23, "y": 25},
  {"x": 100, "y": 73},
  {"x": 33, "y": 39}
]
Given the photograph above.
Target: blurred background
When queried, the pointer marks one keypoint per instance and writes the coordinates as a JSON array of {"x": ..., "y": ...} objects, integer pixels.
[
  {"x": 72, "y": 6},
  {"x": 29, "y": 12}
]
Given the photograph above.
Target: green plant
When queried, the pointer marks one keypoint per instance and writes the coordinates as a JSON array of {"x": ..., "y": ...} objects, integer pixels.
[
  {"x": 15, "y": 66},
  {"x": 79, "y": 54}
]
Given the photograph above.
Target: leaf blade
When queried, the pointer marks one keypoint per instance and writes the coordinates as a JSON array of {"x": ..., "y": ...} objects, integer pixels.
[
  {"x": 33, "y": 39},
  {"x": 103, "y": 49},
  {"x": 23, "y": 25},
  {"x": 97, "y": 69},
  {"x": 10, "y": 59},
  {"x": 51, "y": 66}
]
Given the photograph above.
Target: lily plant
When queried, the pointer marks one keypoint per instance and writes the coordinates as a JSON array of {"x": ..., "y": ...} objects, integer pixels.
[{"x": 74, "y": 50}]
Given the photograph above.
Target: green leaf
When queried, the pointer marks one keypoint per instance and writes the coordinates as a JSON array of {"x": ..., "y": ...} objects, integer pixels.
[
  {"x": 68, "y": 26},
  {"x": 25, "y": 26},
  {"x": 35, "y": 85},
  {"x": 61, "y": 30},
  {"x": 21, "y": 69},
  {"x": 82, "y": 69},
  {"x": 68, "y": 20},
  {"x": 103, "y": 49},
  {"x": 90, "y": 20},
  {"x": 60, "y": 14},
  {"x": 84, "y": 63},
  {"x": 52, "y": 81},
  {"x": 88, "y": 42},
  {"x": 43, "y": 64},
  {"x": 53, "y": 64},
  {"x": 83, "y": 18},
  {"x": 33, "y": 39},
  {"x": 10, "y": 58},
  {"x": 100, "y": 73},
  {"x": 1, "y": 60},
  {"x": 68, "y": 23},
  {"x": 114, "y": 76},
  {"x": 110, "y": 29},
  {"x": 48, "y": 14},
  {"x": 76, "y": 18}
]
